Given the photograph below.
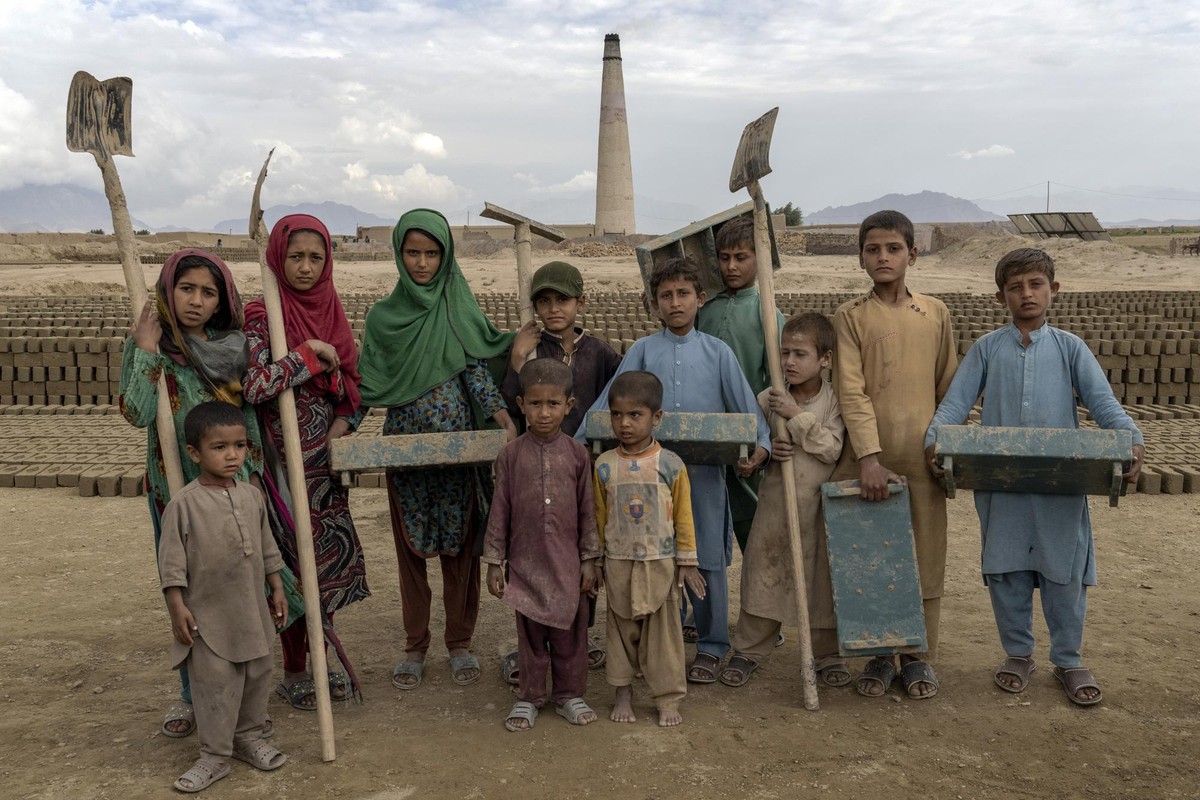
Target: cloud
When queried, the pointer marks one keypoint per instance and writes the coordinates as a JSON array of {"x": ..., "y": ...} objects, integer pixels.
[
  {"x": 414, "y": 186},
  {"x": 583, "y": 182},
  {"x": 995, "y": 151}
]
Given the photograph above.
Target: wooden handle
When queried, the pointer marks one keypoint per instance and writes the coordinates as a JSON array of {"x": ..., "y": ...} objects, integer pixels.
[
  {"x": 770, "y": 326},
  {"x": 524, "y": 247}
]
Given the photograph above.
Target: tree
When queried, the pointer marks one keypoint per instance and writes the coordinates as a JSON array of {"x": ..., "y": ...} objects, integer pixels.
[{"x": 792, "y": 214}]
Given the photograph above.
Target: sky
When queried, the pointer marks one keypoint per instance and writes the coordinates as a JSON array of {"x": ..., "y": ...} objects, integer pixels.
[{"x": 391, "y": 105}]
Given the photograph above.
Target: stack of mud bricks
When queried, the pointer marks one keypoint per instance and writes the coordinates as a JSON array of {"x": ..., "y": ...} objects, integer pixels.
[{"x": 60, "y": 371}]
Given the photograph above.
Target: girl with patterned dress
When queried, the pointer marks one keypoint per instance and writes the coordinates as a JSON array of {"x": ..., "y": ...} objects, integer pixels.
[
  {"x": 320, "y": 368},
  {"x": 424, "y": 358},
  {"x": 191, "y": 332}
]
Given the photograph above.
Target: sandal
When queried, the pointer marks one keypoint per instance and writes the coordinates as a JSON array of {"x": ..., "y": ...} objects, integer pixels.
[
  {"x": 596, "y": 655},
  {"x": 1020, "y": 667},
  {"x": 573, "y": 709},
  {"x": 460, "y": 664},
  {"x": 878, "y": 671},
  {"x": 179, "y": 710},
  {"x": 690, "y": 634},
  {"x": 201, "y": 776},
  {"x": 414, "y": 668},
  {"x": 337, "y": 686},
  {"x": 836, "y": 674},
  {"x": 297, "y": 692},
  {"x": 915, "y": 672},
  {"x": 1077, "y": 678},
  {"x": 738, "y": 671},
  {"x": 510, "y": 669},
  {"x": 780, "y": 639},
  {"x": 706, "y": 664},
  {"x": 521, "y": 710},
  {"x": 260, "y": 755}
]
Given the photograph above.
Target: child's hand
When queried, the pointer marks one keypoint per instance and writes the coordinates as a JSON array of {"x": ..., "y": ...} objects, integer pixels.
[
  {"x": 325, "y": 353},
  {"x": 587, "y": 582},
  {"x": 183, "y": 624},
  {"x": 599, "y": 572},
  {"x": 147, "y": 330},
  {"x": 781, "y": 403},
  {"x": 931, "y": 461},
  {"x": 874, "y": 479},
  {"x": 1135, "y": 469},
  {"x": 495, "y": 580},
  {"x": 782, "y": 449},
  {"x": 528, "y": 338},
  {"x": 748, "y": 466},
  {"x": 279, "y": 607},
  {"x": 337, "y": 429},
  {"x": 502, "y": 419},
  {"x": 694, "y": 580}
]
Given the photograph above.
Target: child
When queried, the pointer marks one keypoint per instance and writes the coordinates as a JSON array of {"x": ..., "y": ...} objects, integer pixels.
[
  {"x": 813, "y": 444},
  {"x": 215, "y": 553},
  {"x": 644, "y": 517},
  {"x": 542, "y": 527},
  {"x": 1030, "y": 375},
  {"x": 699, "y": 373},
  {"x": 424, "y": 358},
  {"x": 191, "y": 330},
  {"x": 557, "y": 292},
  {"x": 320, "y": 368},
  {"x": 894, "y": 360},
  {"x": 734, "y": 317}
]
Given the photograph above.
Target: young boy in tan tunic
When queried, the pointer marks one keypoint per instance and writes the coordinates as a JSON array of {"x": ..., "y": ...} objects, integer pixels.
[
  {"x": 894, "y": 361},
  {"x": 813, "y": 443},
  {"x": 215, "y": 553},
  {"x": 644, "y": 518}
]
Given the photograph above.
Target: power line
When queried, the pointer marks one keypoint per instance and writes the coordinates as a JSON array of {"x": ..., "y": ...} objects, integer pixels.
[{"x": 1135, "y": 196}]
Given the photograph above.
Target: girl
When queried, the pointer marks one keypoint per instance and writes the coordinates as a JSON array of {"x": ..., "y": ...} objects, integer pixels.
[
  {"x": 191, "y": 331},
  {"x": 424, "y": 358},
  {"x": 320, "y": 368}
]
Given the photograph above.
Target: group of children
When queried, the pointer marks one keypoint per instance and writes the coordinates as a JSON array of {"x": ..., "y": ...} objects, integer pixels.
[{"x": 552, "y": 526}]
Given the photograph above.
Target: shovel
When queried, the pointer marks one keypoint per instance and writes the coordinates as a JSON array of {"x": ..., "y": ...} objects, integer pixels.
[
  {"x": 749, "y": 165},
  {"x": 301, "y": 520},
  {"x": 523, "y": 230},
  {"x": 98, "y": 122}
]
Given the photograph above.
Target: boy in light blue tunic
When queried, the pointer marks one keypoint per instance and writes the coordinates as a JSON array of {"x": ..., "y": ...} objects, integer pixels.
[
  {"x": 699, "y": 373},
  {"x": 1030, "y": 375}
]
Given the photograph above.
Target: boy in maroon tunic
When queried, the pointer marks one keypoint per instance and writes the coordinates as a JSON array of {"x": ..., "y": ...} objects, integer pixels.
[{"x": 542, "y": 529}]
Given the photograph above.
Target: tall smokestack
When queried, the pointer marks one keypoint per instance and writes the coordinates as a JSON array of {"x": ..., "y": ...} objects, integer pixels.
[{"x": 614, "y": 168}]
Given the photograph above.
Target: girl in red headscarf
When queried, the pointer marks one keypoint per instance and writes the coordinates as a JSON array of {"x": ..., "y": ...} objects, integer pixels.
[{"x": 320, "y": 368}]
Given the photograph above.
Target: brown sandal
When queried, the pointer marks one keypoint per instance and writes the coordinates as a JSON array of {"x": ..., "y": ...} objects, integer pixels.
[
  {"x": 1077, "y": 678},
  {"x": 1020, "y": 667},
  {"x": 739, "y": 669}
]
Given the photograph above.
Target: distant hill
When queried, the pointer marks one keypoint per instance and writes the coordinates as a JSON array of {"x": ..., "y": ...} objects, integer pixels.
[
  {"x": 339, "y": 218},
  {"x": 55, "y": 208},
  {"x": 922, "y": 207}
]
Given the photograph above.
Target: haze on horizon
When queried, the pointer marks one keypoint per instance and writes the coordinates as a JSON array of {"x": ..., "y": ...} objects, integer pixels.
[{"x": 390, "y": 105}]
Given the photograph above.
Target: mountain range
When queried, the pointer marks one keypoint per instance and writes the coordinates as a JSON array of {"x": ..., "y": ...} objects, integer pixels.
[{"x": 924, "y": 206}]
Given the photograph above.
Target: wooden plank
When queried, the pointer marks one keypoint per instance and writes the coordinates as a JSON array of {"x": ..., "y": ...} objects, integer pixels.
[
  {"x": 415, "y": 451},
  {"x": 873, "y": 564},
  {"x": 696, "y": 438}
]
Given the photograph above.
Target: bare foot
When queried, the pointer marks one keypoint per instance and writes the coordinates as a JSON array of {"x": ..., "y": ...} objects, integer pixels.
[
  {"x": 623, "y": 706},
  {"x": 669, "y": 718},
  {"x": 408, "y": 679}
]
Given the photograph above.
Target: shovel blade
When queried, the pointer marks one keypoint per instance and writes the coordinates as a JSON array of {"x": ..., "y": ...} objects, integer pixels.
[
  {"x": 752, "y": 160},
  {"x": 258, "y": 227},
  {"x": 98, "y": 115}
]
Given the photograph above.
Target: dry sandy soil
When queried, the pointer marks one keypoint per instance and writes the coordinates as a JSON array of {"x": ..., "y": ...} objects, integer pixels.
[{"x": 84, "y": 635}]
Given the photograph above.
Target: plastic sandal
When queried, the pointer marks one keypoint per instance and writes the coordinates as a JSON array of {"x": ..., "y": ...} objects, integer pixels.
[
  {"x": 596, "y": 655},
  {"x": 915, "y": 672},
  {"x": 877, "y": 671},
  {"x": 459, "y": 664},
  {"x": 338, "y": 683},
  {"x": 1077, "y": 678},
  {"x": 179, "y": 710},
  {"x": 573, "y": 709},
  {"x": 521, "y": 710},
  {"x": 413, "y": 668},
  {"x": 260, "y": 755},
  {"x": 706, "y": 664},
  {"x": 201, "y": 776},
  {"x": 741, "y": 668},
  {"x": 690, "y": 634},
  {"x": 1020, "y": 668},
  {"x": 296, "y": 693},
  {"x": 827, "y": 674}
]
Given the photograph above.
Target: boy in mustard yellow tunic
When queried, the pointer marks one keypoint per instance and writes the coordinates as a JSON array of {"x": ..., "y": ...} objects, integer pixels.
[{"x": 894, "y": 361}]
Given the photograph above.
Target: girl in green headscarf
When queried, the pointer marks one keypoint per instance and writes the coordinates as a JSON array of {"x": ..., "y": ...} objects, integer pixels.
[{"x": 424, "y": 358}]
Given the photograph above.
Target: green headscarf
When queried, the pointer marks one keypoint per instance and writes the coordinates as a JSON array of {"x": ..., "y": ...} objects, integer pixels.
[{"x": 418, "y": 337}]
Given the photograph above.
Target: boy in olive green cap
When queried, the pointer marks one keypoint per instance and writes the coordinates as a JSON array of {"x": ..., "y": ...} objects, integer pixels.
[{"x": 557, "y": 294}]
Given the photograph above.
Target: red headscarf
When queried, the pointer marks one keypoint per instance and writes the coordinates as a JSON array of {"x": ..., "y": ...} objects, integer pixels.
[{"x": 313, "y": 314}]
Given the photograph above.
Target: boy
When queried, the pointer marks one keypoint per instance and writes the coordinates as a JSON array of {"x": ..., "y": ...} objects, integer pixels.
[
  {"x": 699, "y": 373},
  {"x": 215, "y": 553},
  {"x": 734, "y": 317},
  {"x": 558, "y": 297},
  {"x": 644, "y": 516},
  {"x": 894, "y": 360},
  {"x": 542, "y": 527},
  {"x": 1030, "y": 374},
  {"x": 813, "y": 443}
]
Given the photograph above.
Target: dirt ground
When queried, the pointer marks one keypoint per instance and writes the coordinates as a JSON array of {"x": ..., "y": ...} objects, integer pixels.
[{"x": 84, "y": 637}]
